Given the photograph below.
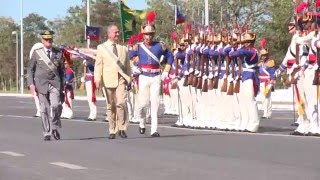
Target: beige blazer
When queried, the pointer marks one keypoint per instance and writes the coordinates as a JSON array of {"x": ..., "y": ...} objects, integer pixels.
[{"x": 105, "y": 69}]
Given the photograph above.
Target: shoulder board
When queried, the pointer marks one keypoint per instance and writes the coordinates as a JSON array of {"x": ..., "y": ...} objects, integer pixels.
[{"x": 270, "y": 63}]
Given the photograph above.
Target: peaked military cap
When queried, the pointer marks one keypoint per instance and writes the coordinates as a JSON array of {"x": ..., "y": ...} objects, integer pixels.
[{"x": 47, "y": 34}]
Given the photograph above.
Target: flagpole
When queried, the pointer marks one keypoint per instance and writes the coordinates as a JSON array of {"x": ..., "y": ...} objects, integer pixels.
[
  {"x": 21, "y": 50},
  {"x": 121, "y": 23},
  {"x": 88, "y": 22}
]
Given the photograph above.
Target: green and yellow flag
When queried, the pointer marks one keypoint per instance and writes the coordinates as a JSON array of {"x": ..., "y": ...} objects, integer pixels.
[{"x": 129, "y": 20}]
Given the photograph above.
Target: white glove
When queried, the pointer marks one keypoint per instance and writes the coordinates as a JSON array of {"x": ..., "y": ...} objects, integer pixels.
[
  {"x": 225, "y": 76},
  {"x": 230, "y": 79},
  {"x": 161, "y": 58},
  {"x": 193, "y": 46},
  {"x": 200, "y": 74},
  {"x": 164, "y": 75},
  {"x": 82, "y": 80},
  {"x": 191, "y": 70},
  {"x": 301, "y": 73},
  {"x": 196, "y": 72},
  {"x": 270, "y": 86},
  {"x": 174, "y": 81},
  {"x": 216, "y": 74},
  {"x": 315, "y": 67},
  {"x": 205, "y": 77},
  {"x": 237, "y": 77},
  {"x": 186, "y": 73},
  {"x": 210, "y": 76},
  {"x": 136, "y": 70},
  {"x": 297, "y": 75},
  {"x": 84, "y": 62},
  {"x": 277, "y": 73}
]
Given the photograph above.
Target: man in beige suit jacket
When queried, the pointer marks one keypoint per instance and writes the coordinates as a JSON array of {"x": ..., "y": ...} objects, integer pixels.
[{"x": 112, "y": 69}]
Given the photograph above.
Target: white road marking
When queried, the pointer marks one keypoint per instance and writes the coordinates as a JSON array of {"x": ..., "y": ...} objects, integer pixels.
[
  {"x": 184, "y": 129},
  {"x": 10, "y": 153},
  {"x": 67, "y": 165}
]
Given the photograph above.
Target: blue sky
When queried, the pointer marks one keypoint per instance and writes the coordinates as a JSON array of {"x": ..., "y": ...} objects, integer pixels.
[{"x": 50, "y": 9}]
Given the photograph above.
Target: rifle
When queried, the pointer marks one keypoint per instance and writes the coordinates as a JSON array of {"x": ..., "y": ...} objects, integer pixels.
[
  {"x": 185, "y": 82},
  {"x": 201, "y": 69},
  {"x": 231, "y": 89},
  {"x": 205, "y": 83},
  {"x": 216, "y": 78},
  {"x": 191, "y": 75},
  {"x": 237, "y": 85},
  {"x": 225, "y": 80},
  {"x": 210, "y": 83},
  {"x": 195, "y": 79},
  {"x": 176, "y": 71},
  {"x": 295, "y": 70}
]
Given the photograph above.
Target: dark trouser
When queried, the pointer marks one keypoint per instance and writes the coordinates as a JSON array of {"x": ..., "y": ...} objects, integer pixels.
[{"x": 51, "y": 108}]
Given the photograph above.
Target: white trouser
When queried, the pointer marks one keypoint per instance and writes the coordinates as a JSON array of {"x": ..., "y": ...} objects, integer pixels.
[
  {"x": 37, "y": 103},
  {"x": 92, "y": 105},
  {"x": 248, "y": 107},
  {"x": 312, "y": 101},
  {"x": 66, "y": 110},
  {"x": 304, "y": 124},
  {"x": 266, "y": 101},
  {"x": 130, "y": 104},
  {"x": 173, "y": 101},
  {"x": 149, "y": 90},
  {"x": 186, "y": 114}
]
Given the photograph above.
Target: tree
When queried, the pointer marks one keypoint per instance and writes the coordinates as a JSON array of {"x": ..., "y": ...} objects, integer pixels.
[{"x": 7, "y": 52}]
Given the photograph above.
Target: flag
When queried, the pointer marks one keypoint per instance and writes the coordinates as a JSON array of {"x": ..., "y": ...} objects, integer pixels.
[
  {"x": 92, "y": 33},
  {"x": 179, "y": 17},
  {"x": 129, "y": 20}
]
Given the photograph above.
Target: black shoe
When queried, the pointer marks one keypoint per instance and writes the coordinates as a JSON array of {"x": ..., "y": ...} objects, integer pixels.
[
  {"x": 156, "y": 134},
  {"x": 296, "y": 133},
  {"x": 47, "y": 138},
  {"x": 112, "y": 136},
  {"x": 263, "y": 117},
  {"x": 122, "y": 134},
  {"x": 89, "y": 119},
  {"x": 142, "y": 130},
  {"x": 56, "y": 134}
]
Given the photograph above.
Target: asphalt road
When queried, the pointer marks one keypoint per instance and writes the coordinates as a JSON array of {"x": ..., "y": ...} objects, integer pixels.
[{"x": 85, "y": 152}]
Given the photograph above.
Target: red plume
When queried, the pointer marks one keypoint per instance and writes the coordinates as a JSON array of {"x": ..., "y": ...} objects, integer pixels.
[
  {"x": 236, "y": 26},
  {"x": 301, "y": 7},
  {"x": 318, "y": 3},
  {"x": 132, "y": 40},
  {"x": 263, "y": 43},
  {"x": 140, "y": 37},
  {"x": 151, "y": 17},
  {"x": 67, "y": 56},
  {"x": 174, "y": 36}
]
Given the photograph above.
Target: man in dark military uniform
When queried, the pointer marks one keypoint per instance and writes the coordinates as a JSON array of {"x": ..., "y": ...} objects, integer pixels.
[{"x": 46, "y": 77}]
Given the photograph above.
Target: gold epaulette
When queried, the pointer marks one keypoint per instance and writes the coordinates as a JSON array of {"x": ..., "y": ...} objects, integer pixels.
[
  {"x": 270, "y": 63},
  {"x": 167, "y": 68}
]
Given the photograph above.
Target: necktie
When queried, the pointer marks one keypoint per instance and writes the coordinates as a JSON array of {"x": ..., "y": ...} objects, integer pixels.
[
  {"x": 48, "y": 54},
  {"x": 114, "y": 50}
]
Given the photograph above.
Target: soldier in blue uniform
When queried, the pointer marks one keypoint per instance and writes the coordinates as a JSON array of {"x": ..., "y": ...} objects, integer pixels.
[
  {"x": 250, "y": 83},
  {"x": 90, "y": 89},
  {"x": 149, "y": 53},
  {"x": 267, "y": 81},
  {"x": 67, "y": 112}
]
